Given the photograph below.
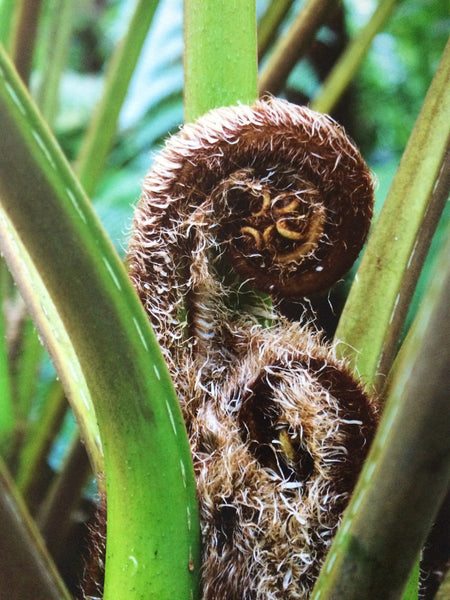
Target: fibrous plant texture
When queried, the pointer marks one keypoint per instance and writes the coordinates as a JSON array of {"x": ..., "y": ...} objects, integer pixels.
[{"x": 275, "y": 196}]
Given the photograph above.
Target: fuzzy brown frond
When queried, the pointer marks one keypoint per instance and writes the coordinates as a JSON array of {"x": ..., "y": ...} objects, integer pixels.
[
  {"x": 278, "y": 427},
  {"x": 275, "y": 190}
]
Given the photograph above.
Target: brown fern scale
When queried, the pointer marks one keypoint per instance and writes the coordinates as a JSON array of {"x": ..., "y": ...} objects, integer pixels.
[{"x": 277, "y": 425}]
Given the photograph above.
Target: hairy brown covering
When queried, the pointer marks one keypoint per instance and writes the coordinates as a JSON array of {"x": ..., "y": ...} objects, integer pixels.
[
  {"x": 278, "y": 441},
  {"x": 277, "y": 425}
]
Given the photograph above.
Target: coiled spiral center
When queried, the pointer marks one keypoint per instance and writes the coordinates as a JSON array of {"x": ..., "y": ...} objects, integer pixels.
[{"x": 279, "y": 224}]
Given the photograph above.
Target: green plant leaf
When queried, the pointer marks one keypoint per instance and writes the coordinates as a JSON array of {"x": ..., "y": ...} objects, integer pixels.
[
  {"x": 269, "y": 23},
  {"x": 99, "y": 336},
  {"x": 25, "y": 25},
  {"x": 7, "y": 11},
  {"x": 55, "y": 50},
  {"x": 36, "y": 447}
]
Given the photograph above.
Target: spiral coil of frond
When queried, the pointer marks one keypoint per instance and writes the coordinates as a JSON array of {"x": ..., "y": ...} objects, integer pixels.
[{"x": 276, "y": 189}]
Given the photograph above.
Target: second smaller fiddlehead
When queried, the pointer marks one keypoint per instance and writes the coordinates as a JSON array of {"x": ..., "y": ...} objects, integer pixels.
[{"x": 277, "y": 444}]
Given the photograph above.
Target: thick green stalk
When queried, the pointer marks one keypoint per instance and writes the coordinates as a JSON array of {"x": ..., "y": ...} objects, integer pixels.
[
  {"x": 101, "y": 131},
  {"x": 220, "y": 54},
  {"x": 345, "y": 69},
  {"x": 293, "y": 45},
  {"x": 376, "y": 308},
  {"x": 26, "y": 570},
  {"x": 87, "y": 311},
  {"x": 407, "y": 473},
  {"x": 56, "y": 46},
  {"x": 269, "y": 23}
]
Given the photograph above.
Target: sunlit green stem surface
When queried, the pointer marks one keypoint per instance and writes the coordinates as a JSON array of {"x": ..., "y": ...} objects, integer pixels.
[{"x": 220, "y": 54}]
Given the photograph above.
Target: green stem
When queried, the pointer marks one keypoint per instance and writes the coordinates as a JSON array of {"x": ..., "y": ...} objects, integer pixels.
[
  {"x": 377, "y": 305},
  {"x": 220, "y": 54},
  {"x": 7, "y": 416},
  {"x": 345, "y": 69},
  {"x": 101, "y": 131},
  {"x": 270, "y": 22},
  {"x": 98, "y": 334},
  {"x": 7, "y": 11},
  {"x": 26, "y": 20},
  {"x": 407, "y": 473},
  {"x": 56, "y": 46},
  {"x": 293, "y": 45}
]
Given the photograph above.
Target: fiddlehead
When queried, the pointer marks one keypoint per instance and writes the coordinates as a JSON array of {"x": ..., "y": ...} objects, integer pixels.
[
  {"x": 277, "y": 425},
  {"x": 278, "y": 189}
]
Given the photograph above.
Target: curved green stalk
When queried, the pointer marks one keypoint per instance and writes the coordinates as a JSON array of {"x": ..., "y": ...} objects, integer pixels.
[
  {"x": 293, "y": 45},
  {"x": 100, "y": 134},
  {"x": 220, "y": 62},
  {"x": 407, "y": 473},
  {"x": 348, "y": 64},
  {"x": 95, "y": 328},
  {"x": 26, "y": 569},
  {"x": 380, "y": 295}
]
